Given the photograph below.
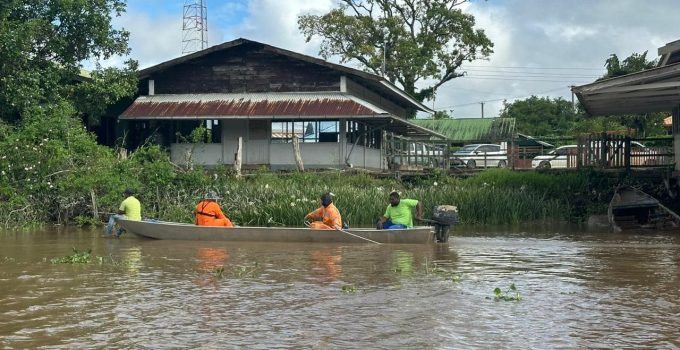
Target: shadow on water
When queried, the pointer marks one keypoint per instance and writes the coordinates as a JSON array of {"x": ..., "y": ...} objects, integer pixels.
[{"x": 579, "y": 287}]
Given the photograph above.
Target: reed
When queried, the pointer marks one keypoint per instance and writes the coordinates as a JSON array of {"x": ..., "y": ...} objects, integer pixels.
[{"x": 270, "y": 200}]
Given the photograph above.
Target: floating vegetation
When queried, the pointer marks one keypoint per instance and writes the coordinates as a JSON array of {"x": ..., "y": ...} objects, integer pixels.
[
  {"x": 86, "y": 257},
  {"x": 6, "y": 259},
  {"x": 109, "y": 260},
  {"x": 247, "y": 271},
  {"x": 349, "y": 289},
  {"x": 77, "y": 257},
  {"x": 510, "y": 294},
  {"x": 218, "y": 272}
]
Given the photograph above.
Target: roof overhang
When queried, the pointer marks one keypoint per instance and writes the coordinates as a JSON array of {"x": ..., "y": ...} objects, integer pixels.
[
  {"x": 271, "y": 106},
  {"x": 653, "y": 90}
]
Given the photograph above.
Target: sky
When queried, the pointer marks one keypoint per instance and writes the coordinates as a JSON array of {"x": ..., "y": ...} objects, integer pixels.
[{"x": 541, "y": 47}]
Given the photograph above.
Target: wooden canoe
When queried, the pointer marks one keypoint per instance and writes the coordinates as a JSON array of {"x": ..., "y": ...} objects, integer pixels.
[
  {"x": 180, "y": 231},
  {"x": 632, "y": 209}
]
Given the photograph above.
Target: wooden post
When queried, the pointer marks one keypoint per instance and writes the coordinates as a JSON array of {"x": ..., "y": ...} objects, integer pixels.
[
  {"x": 296, "y": 153},
  {"x": 239, "y": 152},
  {"x": 95, "y": 211}
]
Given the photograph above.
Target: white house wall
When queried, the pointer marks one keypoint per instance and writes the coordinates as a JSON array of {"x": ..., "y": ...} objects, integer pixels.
[
  {"x": 258, "y": 150},
  {"x": 198, "y": 153},
  {"x": 231, "y": 131}
]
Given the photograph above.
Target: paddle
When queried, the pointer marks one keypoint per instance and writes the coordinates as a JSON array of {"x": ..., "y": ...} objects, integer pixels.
[
  {"x": 307, "y": 223},
  {"x": 357, "y": 236}
]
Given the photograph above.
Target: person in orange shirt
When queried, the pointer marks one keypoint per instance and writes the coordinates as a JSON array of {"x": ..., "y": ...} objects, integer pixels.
[
  {"x": 208, "y": 212},
  {"x": 328, "y": 214}
]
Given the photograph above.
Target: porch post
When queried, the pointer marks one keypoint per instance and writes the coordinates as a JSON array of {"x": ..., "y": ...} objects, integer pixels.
[{"x": 676, "y": 138}]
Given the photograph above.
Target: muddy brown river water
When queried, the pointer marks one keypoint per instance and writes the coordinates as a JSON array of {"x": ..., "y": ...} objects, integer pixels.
[{"x": 579, "y": 289}]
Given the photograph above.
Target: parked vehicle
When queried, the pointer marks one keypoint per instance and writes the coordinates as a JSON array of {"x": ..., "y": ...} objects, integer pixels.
[
  {"x": 560, "y": 157},
  {"x": 565, "y": 156},
  {"x": 480, "y": 155}
]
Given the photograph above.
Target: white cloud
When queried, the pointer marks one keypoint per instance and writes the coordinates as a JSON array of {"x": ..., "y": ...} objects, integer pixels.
[
  {"x": 275, "y": 22},
  {"x": 526, "y": 33}
]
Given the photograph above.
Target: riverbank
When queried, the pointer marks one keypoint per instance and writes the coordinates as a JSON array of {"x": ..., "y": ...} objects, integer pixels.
[{"x": 54, "y": 172}]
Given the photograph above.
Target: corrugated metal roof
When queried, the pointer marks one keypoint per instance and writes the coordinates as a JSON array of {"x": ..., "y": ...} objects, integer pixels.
[
  {"x": 216, "y": 106},
  {"x": 466, "y": 130}
]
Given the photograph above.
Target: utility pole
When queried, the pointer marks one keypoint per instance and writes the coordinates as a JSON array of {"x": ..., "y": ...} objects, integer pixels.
[
  {"x": 482, "y": 103},
  {"x": 573, "y": 105},
  {"x": 194, "y": 26}
]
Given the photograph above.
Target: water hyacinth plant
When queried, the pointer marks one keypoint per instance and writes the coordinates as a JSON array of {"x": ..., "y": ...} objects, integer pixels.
[
  {"x": 78, "y": 257},
  {"x": 511, "y": 294}
]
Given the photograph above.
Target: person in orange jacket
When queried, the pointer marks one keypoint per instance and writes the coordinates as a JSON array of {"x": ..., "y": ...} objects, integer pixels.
[
  {"x": 328, "y": 214},
  {"x": 208, "y": 212}
]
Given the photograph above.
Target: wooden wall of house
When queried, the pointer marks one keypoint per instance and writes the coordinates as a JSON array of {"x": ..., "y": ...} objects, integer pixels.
[{"x": 243, "y": 69}]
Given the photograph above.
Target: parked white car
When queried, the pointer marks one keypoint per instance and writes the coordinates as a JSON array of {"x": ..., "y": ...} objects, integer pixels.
[
  {"x": 565, "y": 157},
  {"x": 480, "y": 155},
  {"x": 560, "y": 157}
]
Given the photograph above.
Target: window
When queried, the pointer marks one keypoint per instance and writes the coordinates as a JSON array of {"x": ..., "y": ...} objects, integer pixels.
[{"x": 305, "y": 131}]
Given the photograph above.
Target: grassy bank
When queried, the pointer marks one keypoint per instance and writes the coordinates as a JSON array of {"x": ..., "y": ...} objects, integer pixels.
[{"x": 52, "y": 171}]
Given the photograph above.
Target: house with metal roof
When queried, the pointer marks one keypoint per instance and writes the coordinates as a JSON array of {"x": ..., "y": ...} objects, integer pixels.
[{"x": 257, "y": 98}]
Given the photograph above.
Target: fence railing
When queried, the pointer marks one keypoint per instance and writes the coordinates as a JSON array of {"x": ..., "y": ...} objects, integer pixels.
[{"x": 619, "y": 151}]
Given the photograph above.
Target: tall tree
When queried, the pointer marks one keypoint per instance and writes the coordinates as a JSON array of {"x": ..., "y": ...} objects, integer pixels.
[
  {"x": 407, "y": 41},
  {"x": 645, "y": 124},
  {"x": 634, "y": 63},
  {"x": 42, "y": 46},
  {"x": 541, "y": 116}
]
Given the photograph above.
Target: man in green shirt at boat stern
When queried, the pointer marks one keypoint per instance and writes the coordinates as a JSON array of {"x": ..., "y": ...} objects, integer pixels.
[
  {"x": 399, "y": 213},
  {"x": 129, "y": 209}
]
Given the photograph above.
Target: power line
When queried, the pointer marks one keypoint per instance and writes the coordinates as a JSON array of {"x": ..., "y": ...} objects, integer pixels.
[
  {"x": 538, "y": 74},
  {"x": 520, "y": 67},
  {"x": 580, "y": 80},
  {"x": 499, "y": 99}
]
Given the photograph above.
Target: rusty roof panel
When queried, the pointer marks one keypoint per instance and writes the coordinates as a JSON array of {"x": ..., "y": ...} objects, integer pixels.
[{"x": 212, "y": 106}]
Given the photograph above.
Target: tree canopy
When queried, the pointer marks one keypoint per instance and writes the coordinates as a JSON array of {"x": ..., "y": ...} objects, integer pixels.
[
  {"x": 43, "y": 44},
  {"x": 417, "y": 40},
  {"x": 645, "y": 124},
  {"x": 541, "y": 116},
  {"x": 557, "y": 117},
  {"x": 634, "y": 63}
]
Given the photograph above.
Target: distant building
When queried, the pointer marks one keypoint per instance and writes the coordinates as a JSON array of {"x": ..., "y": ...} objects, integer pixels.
[{"x": 266, "y": 96}]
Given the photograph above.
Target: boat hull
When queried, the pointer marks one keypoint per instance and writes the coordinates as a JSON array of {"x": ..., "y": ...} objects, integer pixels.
[
  {"x": 632, "y": 209},
  {"x": 180, "y": 231}
]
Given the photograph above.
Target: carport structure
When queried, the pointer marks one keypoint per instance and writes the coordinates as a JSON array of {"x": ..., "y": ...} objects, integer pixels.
[{"x": 652, "y": 90}]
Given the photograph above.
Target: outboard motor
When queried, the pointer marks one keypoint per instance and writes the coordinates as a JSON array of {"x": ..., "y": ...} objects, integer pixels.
[{"x": 443, "y": 217}]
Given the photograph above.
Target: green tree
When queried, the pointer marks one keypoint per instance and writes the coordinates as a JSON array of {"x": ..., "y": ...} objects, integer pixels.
[
  {"x": 42, "y": 46},
  {"x": 634, "y": 63},
  {"x": 541, "y": 116},
  {"x": 418, "y": 40},
  {"x": 645, "y": 124}
]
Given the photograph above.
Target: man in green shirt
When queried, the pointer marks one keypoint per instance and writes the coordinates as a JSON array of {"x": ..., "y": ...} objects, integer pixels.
[
  {"x": 399, "y": 213},
  {"x": 129, "y": 209}
]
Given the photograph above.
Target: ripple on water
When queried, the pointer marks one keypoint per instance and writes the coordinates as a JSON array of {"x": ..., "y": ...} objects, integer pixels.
[{"x": 579, "y": 291}]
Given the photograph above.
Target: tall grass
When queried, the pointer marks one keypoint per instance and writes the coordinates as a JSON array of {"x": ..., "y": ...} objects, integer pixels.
[
  {"x": 270, "y": 200},
  {"x": 59, "y": 174}
]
